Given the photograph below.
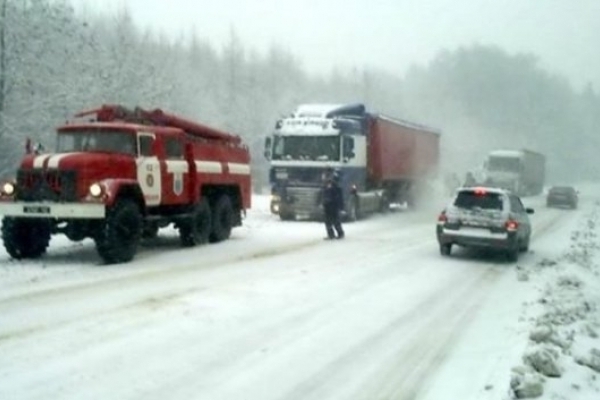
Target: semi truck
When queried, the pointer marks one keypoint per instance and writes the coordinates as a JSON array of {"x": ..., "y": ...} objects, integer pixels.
[
  {"x": 118, "y": 175},
  {"x": 380, "y": 160},
  {"x": 521, "y": 171}
]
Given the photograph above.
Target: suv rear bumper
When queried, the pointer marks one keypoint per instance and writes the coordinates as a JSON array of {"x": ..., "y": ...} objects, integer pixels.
[{"x": 477, "y": 238}]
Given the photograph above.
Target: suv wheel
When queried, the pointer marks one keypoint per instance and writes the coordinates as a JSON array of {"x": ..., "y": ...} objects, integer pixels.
[
  {"x": 445, "y": 249},
  {"x": 525, "y": 246},
  {"x": 512, "y": 255}
]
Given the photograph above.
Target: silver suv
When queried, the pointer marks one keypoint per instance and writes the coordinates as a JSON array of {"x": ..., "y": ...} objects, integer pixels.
[{"x": 487, "y": 218}]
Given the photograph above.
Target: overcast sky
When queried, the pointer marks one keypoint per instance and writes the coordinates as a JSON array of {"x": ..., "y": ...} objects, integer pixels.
[{"x": 387, "y": 34}]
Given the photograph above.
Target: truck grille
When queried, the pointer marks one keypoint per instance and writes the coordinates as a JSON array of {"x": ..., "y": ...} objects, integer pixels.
[
  {"x": 39, "y": 185},
  {"x": 304, "y": 200}
]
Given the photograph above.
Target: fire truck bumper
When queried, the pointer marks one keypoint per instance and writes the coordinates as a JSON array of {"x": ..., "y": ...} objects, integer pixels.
[{"x": 53, "y": 210}]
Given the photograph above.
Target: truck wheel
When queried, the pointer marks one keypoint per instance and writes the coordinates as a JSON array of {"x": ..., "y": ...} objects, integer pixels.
[
  {"x": 222, "y": 218},
  {"x": 287, "y": 216},
  {"x": 118, "y": 239},
  {"x": 196, "y": 229},
  {"x": 353, "y": 211},
  {"x": 25, "y": 237}
]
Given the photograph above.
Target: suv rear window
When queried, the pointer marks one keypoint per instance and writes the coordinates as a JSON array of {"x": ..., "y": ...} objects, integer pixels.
[
  {"x": 486, "y": 201},
  {"x": 561, "y": 190}
]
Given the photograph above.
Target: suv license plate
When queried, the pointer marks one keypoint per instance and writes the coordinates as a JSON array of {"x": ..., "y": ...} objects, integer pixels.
[{"x": 36, "y": 209}]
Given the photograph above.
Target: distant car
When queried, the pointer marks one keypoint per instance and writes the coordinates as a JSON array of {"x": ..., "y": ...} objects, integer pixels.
[
  {"x": 562, "y": 196},
  {"x": 485, "y": 217}
]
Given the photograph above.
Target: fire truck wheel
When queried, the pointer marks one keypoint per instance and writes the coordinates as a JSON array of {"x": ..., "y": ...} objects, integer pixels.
[
  {"x": 150, "y": 231},
  {"x": 196, "y": 229},
  {"x": 25, "y": 238},
  {"x": 122, "y": 230},
  {"x": 222, "y": 219}
]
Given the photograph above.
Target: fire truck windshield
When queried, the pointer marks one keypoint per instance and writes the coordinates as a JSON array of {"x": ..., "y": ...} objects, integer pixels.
[
  {"x": 315, "y": 148},
  {"x": 96, "y": 140}
]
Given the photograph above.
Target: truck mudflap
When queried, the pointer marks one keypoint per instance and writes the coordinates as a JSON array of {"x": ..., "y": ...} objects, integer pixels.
[{"x": 53, "y": 210}]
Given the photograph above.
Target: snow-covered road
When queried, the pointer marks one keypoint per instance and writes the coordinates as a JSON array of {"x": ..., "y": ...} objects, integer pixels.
[{"x": 273, "y": 313}]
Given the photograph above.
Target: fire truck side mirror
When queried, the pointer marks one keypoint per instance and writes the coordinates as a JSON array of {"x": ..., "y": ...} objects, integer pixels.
[{"x": 268, "y": 144}]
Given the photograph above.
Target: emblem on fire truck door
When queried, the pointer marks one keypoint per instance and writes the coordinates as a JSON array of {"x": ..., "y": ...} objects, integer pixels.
[
  {"x": 178, "y": 183},
  {"x": 149, "y": 180}
]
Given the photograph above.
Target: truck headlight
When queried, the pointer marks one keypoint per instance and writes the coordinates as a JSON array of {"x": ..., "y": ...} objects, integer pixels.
[
  {"x": 8, "y": 188},
  {"x": 96, "y": 190}
]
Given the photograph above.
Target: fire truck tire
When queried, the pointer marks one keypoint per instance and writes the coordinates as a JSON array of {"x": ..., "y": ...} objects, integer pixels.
[
  {"x": 150, "y": 231},
  {"x": 222, "y": 219},
  {"x": 25, "y": 237},
  {"x": 120, "y": 235},
  {"x": 196, "y": 229}
]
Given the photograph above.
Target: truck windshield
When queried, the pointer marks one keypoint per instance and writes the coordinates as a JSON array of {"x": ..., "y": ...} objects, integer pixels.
[
  {"x": 96, "y": 140},
  {"x": 317, "y": 148},
  {"x": 506, "y": 164}
]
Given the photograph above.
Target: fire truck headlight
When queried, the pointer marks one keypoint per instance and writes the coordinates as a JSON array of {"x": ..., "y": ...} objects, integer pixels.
[
  {"x": 96, "y": 190},
  {"x": 8, "y": 188}
]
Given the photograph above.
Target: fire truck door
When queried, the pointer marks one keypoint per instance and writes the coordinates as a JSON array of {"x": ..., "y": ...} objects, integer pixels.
[{"x": 148, "y": 170}]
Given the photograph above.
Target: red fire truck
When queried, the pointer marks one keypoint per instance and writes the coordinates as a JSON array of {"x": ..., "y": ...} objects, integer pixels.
[{"x": 119, "y": 175}]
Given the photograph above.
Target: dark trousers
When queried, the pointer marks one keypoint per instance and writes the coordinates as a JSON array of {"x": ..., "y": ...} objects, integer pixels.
[{"x": 333, "y": 222}]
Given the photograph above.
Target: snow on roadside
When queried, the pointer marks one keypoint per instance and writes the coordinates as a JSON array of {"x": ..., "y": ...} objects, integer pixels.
[{"x": 562, "y": 357}]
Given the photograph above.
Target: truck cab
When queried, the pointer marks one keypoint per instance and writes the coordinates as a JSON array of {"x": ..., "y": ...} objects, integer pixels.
[
  {"x": 304, "y": 146},
  {"x": 520, "y": 171}
]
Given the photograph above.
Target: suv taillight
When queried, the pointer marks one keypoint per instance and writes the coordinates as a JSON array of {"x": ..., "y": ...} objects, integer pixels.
[
  {"x": 442, "y": 218},
  {"x": 511, "y": 225}
]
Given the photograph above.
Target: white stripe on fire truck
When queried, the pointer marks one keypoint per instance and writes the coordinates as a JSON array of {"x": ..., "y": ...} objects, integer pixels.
[
  {"x": 209, "y": 167},
  {"x": 54, "y": 160},
  {"x": 38, "y": 162},
  {"x": 177, "y": 166},
  {"x": 239, "y": 169}
]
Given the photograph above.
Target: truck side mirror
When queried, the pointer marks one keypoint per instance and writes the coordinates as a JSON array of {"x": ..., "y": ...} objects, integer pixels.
[
  {"x": 268, "y": 144},
  {"x": 348, "y": 148}
]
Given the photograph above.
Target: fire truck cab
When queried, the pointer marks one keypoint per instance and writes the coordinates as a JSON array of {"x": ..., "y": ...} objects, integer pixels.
[{"x": 119, "y": 175}]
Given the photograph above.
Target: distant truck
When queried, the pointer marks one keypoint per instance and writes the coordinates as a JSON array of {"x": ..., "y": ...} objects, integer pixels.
[
  {"x": 380, "y": 160},
  {"x": 118, "y": 175},
  {"x": 521, "y": 171}
]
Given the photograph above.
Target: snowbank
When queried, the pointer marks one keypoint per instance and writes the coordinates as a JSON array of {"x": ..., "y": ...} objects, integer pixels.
[{"x": 562, "y": 358}]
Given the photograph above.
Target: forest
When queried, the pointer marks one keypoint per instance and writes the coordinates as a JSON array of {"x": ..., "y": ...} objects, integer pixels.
[{"x": 55, "y": 62}]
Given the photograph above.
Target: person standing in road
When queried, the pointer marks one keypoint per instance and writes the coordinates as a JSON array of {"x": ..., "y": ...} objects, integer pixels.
[{"x": 333, "y": 204}]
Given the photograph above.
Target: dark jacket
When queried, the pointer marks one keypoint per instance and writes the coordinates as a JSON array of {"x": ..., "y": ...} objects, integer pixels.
[{"x": 332, "y": 197}]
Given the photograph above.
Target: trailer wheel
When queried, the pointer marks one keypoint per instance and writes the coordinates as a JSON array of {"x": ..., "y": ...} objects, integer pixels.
[
  {"x": 25, "y": 237},
  {"x": 196, "y": 229},
  {"x": 121, "y": 232},
  {"x": 222, "y": 219}
]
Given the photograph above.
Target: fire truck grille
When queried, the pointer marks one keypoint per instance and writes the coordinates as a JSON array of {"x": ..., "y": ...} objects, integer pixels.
[{"x": 38, "y": 185}]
